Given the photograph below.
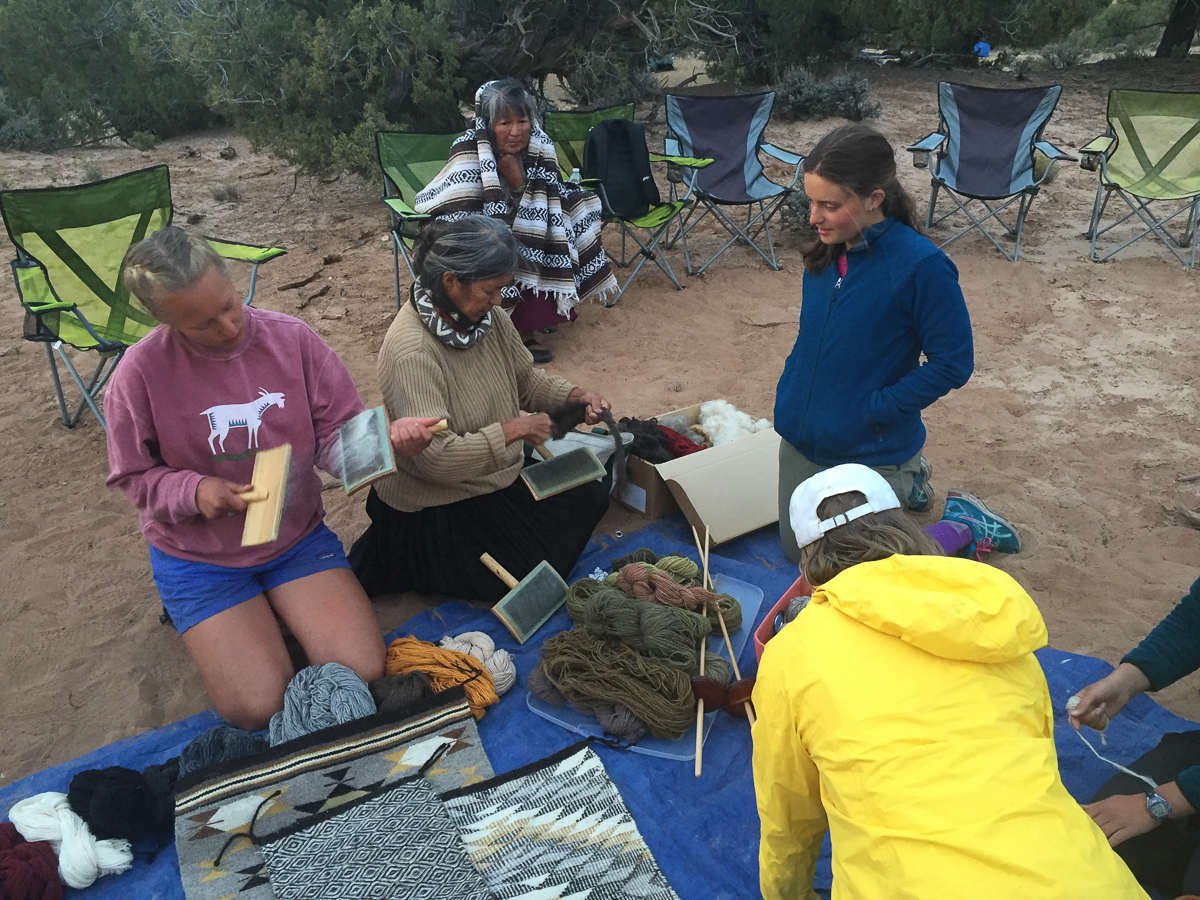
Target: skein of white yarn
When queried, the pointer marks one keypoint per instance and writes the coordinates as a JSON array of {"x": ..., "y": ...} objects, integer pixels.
[
  {"x": 81, "y": 858},
  {"x": 498, "y": 662}
]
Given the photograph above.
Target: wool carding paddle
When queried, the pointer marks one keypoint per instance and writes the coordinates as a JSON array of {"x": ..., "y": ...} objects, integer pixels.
[
  {"x": 530, "y": 601},
  {"x": 557, "y": 474},
  {"x": 264, "y": 500},
  {"x": 365, "y": 448}
]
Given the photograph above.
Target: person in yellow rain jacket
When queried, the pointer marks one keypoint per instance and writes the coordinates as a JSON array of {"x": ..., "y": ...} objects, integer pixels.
[{"x": 903, "y": 710}]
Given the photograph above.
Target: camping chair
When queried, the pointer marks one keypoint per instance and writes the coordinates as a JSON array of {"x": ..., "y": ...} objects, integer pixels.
[
  {"x": 409, "y": 163},
  {"x": 570, "y": 130},
  {"x": 985, "y": 146},
  {"x": 728, "y": 130},
  {"x": 617, "y": 163},
  {"x": 1149, "y": 154},
  {"x": 70, "y": 243}
]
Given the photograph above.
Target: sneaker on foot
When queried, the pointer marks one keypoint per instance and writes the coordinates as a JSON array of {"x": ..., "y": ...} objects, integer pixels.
[
  {"x": 918, "y": 497},
  {"x": 991, "y": 531}
]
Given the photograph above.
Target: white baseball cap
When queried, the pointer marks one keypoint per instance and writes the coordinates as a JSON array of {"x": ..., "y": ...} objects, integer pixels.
[{"x": 802, "y": 510}]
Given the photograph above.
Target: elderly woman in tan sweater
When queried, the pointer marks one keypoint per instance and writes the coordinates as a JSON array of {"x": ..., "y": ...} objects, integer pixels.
[{"x": 453, "y": 354}]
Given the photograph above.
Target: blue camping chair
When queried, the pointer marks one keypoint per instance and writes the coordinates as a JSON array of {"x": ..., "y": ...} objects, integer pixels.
[
  {"x": 728, "y": 130},
  {"x": 985, "y": 148}
]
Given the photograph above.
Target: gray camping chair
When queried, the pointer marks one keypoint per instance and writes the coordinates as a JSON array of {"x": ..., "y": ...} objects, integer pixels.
[
  {"x": 728, "y": 130},
  {"x": 984, "y": 149}
]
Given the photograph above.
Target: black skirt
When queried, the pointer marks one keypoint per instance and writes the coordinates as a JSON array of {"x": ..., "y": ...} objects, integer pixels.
[{"x": 437, "y": 550}]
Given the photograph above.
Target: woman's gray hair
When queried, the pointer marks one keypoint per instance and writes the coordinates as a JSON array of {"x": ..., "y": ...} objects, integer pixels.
[
  {"x": 167, "y": 261},
  {"x": 473, "y": 248},
  {"x": 506, "y": 95}
]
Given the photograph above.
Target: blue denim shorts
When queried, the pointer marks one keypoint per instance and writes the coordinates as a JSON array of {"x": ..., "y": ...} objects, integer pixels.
[{"x": 194, "y": 591}]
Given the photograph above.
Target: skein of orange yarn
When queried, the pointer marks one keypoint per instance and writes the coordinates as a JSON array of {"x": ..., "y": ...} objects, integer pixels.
[{"x": 445, "y": 669}]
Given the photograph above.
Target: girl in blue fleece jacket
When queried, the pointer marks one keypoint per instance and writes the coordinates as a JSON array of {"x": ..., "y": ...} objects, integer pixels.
[{"x": 877, "y": 296}]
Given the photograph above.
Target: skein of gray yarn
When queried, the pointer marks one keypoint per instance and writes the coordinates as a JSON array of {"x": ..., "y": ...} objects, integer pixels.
[
  {"x": 620, "y": 722},
  {"x": 616, "y": 719},
  {"x": 320, "y": 697},
  {"x": 794, "y": 607},
  {"x": 218, "y": 745}
]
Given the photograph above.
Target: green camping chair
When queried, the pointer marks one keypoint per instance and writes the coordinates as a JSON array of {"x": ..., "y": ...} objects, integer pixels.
[
  {"x": 70, "y": 243},
  {"x": 409, "y": 163},
  {"x": 570, "y": 130},
  {"x": 1149, "y": 154}
]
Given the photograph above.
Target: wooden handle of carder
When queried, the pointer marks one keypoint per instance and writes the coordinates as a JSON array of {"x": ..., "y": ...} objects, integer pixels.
[
  {"x": 543, "y": 452},
  {"x": 255, "y": 495},
  {"x": 498, "y": 570},
  {"x": 439, "y": 427}
]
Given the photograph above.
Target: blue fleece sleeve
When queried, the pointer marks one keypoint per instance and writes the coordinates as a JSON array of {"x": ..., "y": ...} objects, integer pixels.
[
  {"x": 944, "y": 329},
  {"x": 1172, "y": 649}
]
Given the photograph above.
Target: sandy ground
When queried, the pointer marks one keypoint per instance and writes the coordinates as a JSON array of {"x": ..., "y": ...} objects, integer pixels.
[{"x": 1076, "y": 424}]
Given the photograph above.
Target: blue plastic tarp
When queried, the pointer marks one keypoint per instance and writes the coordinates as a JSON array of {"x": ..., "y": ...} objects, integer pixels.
[{"x": 703, "y": 832}]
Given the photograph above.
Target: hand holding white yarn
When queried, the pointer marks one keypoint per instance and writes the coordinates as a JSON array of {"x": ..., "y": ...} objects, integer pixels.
[{"x": 81, "y": 858}]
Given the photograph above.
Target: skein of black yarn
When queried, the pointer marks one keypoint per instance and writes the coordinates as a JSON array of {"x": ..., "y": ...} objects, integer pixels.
[
  {"x": 160, "y": 780},
  {"x": 115, "y": 803}
]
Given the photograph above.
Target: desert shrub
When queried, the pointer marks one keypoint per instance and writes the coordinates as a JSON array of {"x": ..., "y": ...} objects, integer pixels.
[
  {"x": 227, "y": 192},
  {"x": 1022, "y": 67},
  {"x": 84, "y": 65},
  {"x": 794, "y": 211},
  {"x": 22, "y": 128},
  {"x": 142, "y": 140},
  {"x": 801, "y": 95},
  {"x": 92, "y": 171},
  {"x": 608, "y": 73},
  {"x": 1061, "y": 55},
  {"x": 1040, "y": 164},
  {"x": 764, "y": 36},
  {"x": 1124, "y": 27}
]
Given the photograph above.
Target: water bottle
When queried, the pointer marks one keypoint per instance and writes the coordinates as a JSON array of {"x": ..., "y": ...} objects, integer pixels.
[{"x": 575, "y": 176}]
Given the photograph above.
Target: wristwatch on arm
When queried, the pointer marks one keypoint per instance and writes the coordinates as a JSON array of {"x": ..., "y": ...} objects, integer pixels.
[{"x": 1158, "y": 807}]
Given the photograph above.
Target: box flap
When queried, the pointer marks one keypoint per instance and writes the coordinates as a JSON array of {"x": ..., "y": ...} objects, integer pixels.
[{"x": 730, "y": 489}]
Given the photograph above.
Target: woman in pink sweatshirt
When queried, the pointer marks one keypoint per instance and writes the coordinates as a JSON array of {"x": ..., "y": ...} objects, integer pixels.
[{"x": 188, "y": 408}]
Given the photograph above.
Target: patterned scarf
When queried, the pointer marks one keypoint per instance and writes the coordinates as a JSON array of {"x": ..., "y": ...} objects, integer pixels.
[
  {"x": 443, "y": 325},
  {"x": 557, "y": 226}
]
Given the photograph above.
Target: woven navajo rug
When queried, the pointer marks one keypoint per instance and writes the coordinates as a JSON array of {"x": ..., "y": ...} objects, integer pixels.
[
  {"x": 556, "y": 829},
  {"x": 398, "y": 844},
  {"x": 216, "y": 807}
]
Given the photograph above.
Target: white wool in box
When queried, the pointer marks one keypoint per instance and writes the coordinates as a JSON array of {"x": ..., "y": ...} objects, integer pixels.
[{"x": 724, "y": 422}]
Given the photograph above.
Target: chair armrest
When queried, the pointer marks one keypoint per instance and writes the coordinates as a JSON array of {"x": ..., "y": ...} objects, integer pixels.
[
  {"x": 1094, "y": 151},
  {"x": 1051, "y": 152},
  {"x": 34, "y": 290},
  {"x": 250, "y": 253},
  {"x": 930, "y": 142},
  {"x": 784, "y": 156},
  {"x": 922, "y": 150},
  {"x": 403, "y": 210},
  {"x": 1098, "y": 145},
  {"x": 691, "y": 162}
]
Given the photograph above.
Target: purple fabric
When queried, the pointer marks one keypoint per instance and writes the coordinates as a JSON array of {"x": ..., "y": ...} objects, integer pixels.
[
  {"x": 535, "y": 311},
  {"x": 952, "y": 536}
]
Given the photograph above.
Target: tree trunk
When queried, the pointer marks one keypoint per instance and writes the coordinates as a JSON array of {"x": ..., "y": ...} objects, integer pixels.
[{"x": 1181, "y": 27}]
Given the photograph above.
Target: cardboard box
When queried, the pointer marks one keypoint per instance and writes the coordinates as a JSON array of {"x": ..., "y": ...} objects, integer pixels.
[{"x": 730, "y": 490}]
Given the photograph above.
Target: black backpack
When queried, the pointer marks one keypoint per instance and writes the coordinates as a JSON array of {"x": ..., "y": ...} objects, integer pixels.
[{"x": 615, "y": 154}]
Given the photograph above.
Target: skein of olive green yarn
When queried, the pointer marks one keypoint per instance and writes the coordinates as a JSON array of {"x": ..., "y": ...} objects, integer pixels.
[
  {"x": 581, "y": 590},
  {"x": 667, "y": 633},
  {"x": 592, "y": 672}
]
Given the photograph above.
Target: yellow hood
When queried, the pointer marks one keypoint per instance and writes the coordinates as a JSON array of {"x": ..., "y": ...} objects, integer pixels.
[{"x": 952, "y": 608}]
